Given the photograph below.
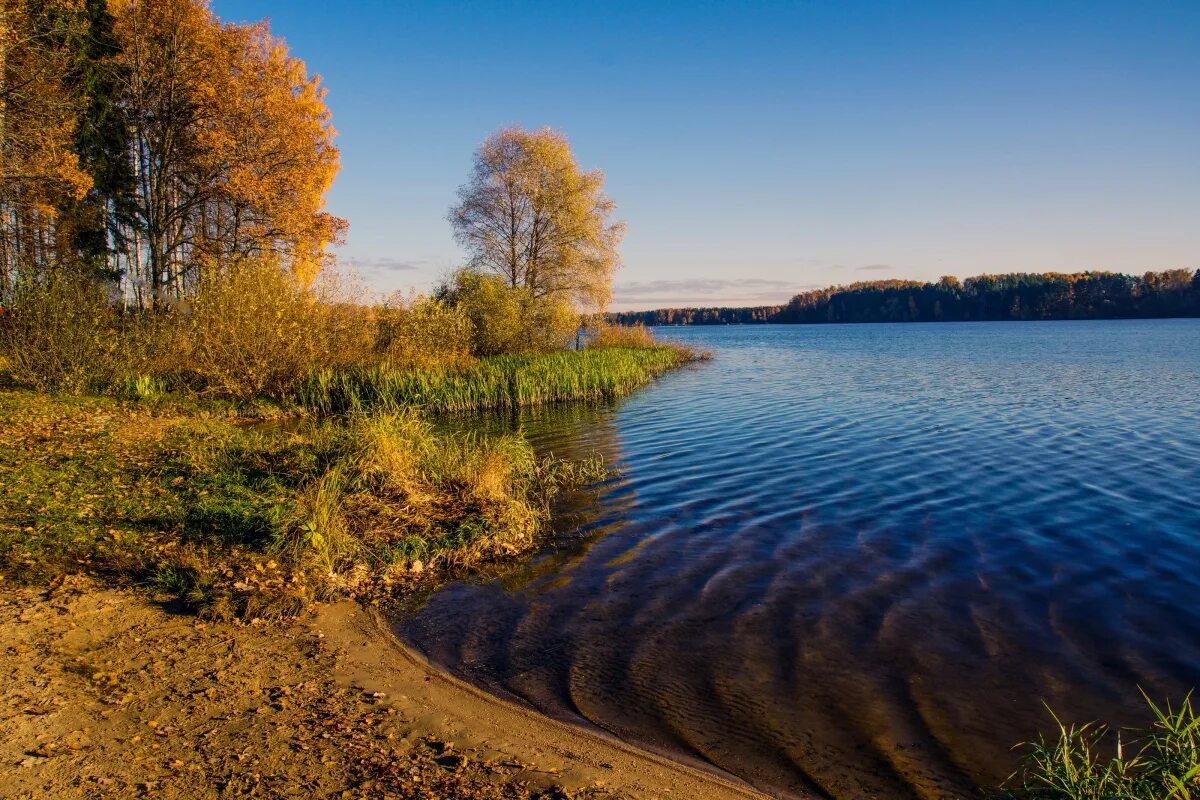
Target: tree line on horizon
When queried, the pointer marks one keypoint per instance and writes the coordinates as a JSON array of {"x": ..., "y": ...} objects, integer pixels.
[{"x": 1010, "y": 296}]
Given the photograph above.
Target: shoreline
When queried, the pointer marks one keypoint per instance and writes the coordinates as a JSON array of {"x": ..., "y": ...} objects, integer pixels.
[
  {"x": 110, "y": 694},
  {"x": 586, "y": 750}
]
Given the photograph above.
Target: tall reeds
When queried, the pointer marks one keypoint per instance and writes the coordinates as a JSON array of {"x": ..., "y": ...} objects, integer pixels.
[{"x": 497, "y": 382}]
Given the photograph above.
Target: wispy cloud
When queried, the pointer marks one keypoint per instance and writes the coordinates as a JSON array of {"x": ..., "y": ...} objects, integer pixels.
[
  {"x": 386, "y": 264},
  {"x": 874, "y": 268}
]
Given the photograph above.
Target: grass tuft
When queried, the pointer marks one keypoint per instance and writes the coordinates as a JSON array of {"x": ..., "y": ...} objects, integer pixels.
[
  {"x": 1085, "y": 762},
  {"x": 399, "y": 492}
]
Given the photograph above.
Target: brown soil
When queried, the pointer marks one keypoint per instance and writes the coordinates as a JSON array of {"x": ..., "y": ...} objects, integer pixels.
[{"x": 106, "y": 694}]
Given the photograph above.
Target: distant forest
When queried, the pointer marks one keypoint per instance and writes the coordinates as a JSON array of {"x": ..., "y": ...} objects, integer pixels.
[{"x": 1013, "y": 296}]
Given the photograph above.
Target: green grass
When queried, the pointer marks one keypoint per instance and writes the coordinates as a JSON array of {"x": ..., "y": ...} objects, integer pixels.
[
  {"x": 260, "y": 518},
  {"x": 1089, "y": 762},
  {"x": 498, "y": 382},
  {"x": 187, "y": 495}
]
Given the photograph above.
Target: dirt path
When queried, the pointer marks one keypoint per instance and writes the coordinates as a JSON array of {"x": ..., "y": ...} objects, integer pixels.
[{"x": 104, "y": 694}]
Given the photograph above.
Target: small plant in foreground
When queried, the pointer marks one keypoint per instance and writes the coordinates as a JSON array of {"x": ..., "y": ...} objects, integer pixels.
[{"x": 1161, "y": 763}]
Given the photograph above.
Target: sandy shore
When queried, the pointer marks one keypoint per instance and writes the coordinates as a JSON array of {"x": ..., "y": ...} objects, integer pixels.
[{"x": 106, "y": 694}]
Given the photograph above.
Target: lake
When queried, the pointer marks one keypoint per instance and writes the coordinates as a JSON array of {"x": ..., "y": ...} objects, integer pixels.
[{"x": 854, "y": 560}]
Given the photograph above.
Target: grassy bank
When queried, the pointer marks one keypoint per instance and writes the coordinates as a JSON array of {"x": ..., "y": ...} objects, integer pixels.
[
  {"x": 509, "y": 381},
  {"x": 165, "y": 475},
  {"x": 254, "y": 520}
]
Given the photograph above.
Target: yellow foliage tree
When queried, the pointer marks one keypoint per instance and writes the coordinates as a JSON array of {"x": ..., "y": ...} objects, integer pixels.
[
  {"x": 530, "y": 215},
  {"x": 37, "y": 120},
  {"x": 278, "y": 154},
  {"x": 233, "y": 145}
]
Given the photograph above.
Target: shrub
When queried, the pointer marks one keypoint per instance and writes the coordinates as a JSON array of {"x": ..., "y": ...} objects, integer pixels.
[
  {"x": 550, "y": 324},
  {"x": 604, "y": 336},
  {"x": 424, "y": 332},
  {"x": 63, "y": 333},
  {"x": 507, "y": 319},
  {"x": 256, "y": 331}
]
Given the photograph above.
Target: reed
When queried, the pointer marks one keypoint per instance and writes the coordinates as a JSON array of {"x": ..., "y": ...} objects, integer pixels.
[
  {"x": 605, "y": 336},
  {"x": 1084, "y": 763},
  {"x": 509, "y": 381}
]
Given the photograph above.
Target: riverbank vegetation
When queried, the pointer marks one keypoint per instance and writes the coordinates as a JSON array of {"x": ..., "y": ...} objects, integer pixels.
[
  {"x": 255, "y": 336},
  {"x": 198, "y": 399},
  {"x": 253, "y": 520},
  {"x": 508, "y": 381},
  {"x": 1012, "y": 296},
  {"x": 1090, "y": 762}
]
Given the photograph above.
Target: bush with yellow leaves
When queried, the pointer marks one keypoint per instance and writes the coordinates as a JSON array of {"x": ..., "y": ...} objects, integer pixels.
[
  {"x": 256, "y": 331},
  {"x": 511, "y": 319},
  {"x": 421, "y": 332},
  {"x": 64, "y": 333}
]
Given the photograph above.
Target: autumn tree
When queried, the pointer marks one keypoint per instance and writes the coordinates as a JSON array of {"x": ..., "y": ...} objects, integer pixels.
[
  {"x": 276, "y": 155},
  {"x": 145, "y": 142},
  {"x": 530, "y": 215},
  {"x": 38, "y": 170},
  {"x": 232, "y": 145}
]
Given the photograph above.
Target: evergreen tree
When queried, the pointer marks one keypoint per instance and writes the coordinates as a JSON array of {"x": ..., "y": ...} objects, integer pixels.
[{"x": 98, "y": 221}]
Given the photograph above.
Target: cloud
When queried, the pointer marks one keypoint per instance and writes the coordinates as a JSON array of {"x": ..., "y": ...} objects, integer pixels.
[
  {"x": 707, "y": 291},
  {"x": 874, "y": 268},
  {"x": 386, "y": 264}
]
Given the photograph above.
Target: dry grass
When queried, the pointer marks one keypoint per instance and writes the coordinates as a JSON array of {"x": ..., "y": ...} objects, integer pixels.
[
  {"x": 605, "y": 336},
  {"x": 400, "y": 495}
]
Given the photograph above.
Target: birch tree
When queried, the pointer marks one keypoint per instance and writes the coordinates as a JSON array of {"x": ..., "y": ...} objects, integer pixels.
[{"x": 530, "y": 215}]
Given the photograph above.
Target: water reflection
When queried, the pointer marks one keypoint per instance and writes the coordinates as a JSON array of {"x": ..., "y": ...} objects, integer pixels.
[
  {"x": 853, "y": 561},
  {"x": 581, "y": 516}
]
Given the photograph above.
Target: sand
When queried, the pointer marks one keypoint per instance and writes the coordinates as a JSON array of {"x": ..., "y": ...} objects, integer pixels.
[{"x": 105, "y": 693}]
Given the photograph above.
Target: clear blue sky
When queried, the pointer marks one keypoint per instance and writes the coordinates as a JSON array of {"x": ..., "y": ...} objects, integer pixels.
[{"x": 757, "y": 148}]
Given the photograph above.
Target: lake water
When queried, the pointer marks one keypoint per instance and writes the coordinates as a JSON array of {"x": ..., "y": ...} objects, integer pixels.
[{"x": 853, "y": 561}]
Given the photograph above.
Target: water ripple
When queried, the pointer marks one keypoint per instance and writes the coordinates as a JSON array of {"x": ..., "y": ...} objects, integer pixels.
[{"x": 852, "y": 561}]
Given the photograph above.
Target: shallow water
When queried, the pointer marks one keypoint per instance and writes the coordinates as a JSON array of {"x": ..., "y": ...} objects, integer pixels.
[{"x": 853, "y": 561}]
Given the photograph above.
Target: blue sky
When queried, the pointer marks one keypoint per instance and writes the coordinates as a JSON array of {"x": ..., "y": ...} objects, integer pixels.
[{"x": 758, "y": 148}]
